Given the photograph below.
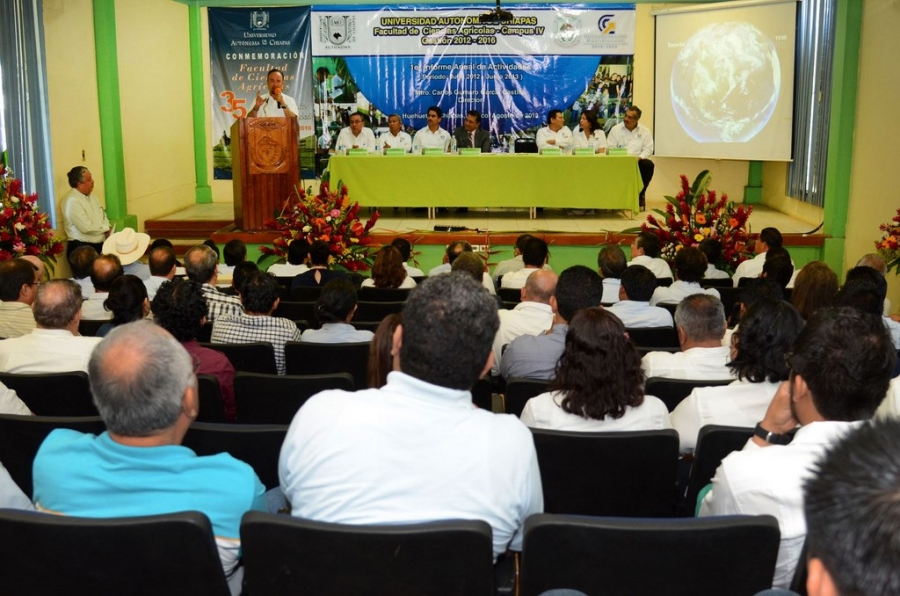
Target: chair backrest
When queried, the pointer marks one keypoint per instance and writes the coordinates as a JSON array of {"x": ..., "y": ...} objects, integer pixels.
[
  {"x": 511, "y": 295},
  {"x": 287, "y": 555},
  {"x": 258, "y": 357},
  {"x": 525, "y": 145},
  {"x": 614, "y": 473},
  {"x": 173, "y": 554},
  {"x": 275, "y": 399},
  {"x": 365, "y": 325},
  {"x": 53, "y": 394},
  {"x": 305, "y": 293},
  {"x": 729, "y": 297},
  {"x": 378, "y": 310},
  {"x": 669, "y": 306},
  {"x": 717, "y": 555},
  {"x": 482, "y": 394},
  {"x": 212, "y": 409},
  {"x": 258, "y": 445},
  {"x": 722, "y": 282},
  {"x": 296, "y": 310},
  {"x": 654, "y": 337},
  {"x": 371, "y": 294},
  {"x": 304, "y": 358},
  {"x": 673, "y": 391},
  {"x": 664, "y": 282},
  {"x": 21, "y": 437},
  {"x": 89, "y": 327},
  {"x": 205, "y": 333},
  {"x": 714, "y": 442},
  {"x": 518, "y": 391}
]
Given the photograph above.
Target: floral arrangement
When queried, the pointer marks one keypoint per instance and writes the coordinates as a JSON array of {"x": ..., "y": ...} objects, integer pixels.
[
  {"x": 696, "y": 214},
  {"x": 889, "y": 245},
  {"x": 23, "y": 229},
  {"x": 328, "y": 216}
]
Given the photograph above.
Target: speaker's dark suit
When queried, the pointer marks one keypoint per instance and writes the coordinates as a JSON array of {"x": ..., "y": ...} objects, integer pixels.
[{"x": 482, "y": 139}]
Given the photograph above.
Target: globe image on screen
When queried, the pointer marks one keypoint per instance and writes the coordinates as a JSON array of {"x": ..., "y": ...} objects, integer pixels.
[{"x": 725, "y": 83}]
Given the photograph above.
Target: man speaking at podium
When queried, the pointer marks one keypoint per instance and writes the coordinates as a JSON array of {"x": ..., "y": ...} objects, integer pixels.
[{"x": 274, "y": 103}]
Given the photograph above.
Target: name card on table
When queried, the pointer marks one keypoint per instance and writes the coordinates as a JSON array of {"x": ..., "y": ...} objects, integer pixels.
[
  {"x": 469, "y": 151},
  {"x": 583, "y": 151},
  {"x": 357, "y": 152},
  {"x": 395, "y": 151},
  {"x": 551, "y": 151},
  {"x": 614, "y": 151},
  {"x": 432, "y": 151}
]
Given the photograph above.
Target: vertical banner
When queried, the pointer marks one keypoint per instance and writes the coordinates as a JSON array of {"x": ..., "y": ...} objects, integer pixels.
[
  {"x": 244, "y": 45},
  {"x": 403, "y": 59}
]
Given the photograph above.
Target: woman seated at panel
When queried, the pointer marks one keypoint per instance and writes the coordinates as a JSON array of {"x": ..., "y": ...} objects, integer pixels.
[
  {"x": 319, "y": 274},
  {"x": 599, "y": 384},
  {"x": 128, "y": 302},
  {"x": 767, "y": 332},
  {"x": 388, "y": 271},
  {"x": 335, "y": 309},
  {"x": 591, "y": 133}
]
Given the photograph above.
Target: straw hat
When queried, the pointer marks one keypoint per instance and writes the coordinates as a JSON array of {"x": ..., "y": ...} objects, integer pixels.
[{"x": 128, "y": 245}]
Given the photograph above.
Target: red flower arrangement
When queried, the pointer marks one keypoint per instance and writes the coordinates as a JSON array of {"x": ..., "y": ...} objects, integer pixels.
[
  {"x": 23, "y": 229},
  {"x": 889, "y": 245},
  {"x": 696, "y": 214},
  {"x": 327, "y": 216}
]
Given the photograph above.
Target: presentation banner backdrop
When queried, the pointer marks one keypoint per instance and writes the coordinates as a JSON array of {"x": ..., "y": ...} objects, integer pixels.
[
  {"x": 406, "y": 58},
  {"x": 244, "y": 45}
]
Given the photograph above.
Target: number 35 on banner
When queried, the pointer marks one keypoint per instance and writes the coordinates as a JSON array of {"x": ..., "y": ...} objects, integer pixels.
[{"x": 234, "y": 106}]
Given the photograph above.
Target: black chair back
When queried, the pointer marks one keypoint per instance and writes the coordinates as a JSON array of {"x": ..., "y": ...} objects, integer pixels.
[
  {"x": 365, "y": 325},
  {"x": 371, "y": 294},
  {"x": 669, "y": 306},
  {"x": 305, "y": 293},
  {"x": 298, "y": 311},
  {"x": 212, "y": 409},
  {"x": 258, "y": 357},
  {"x": 482, "y": 395},
  {"x": 614, "y": 473},
  {"x": 664, "y": 282},
  {"x": 173, "y": 554},
  {"x": 510, "y": 295},
  {"x": 53, "y": 394},
  {"x": 724, "y": 282},
  {"x": 518, "y": 391},
  {"x": 275, "y": 399},
  {"x": 287, "y": 555},
  {"x": 376, "y": 311},
  {"x": 654, "y": 337},
  {"x": 713, "y": 443},
  {"x": 525, "y": 146},
  {"x": 306, "y": 358},
  {"x": 205, "y": 333},
  {"x": 677, "y": 557},
  {"x": 258, "y": 445},
  {"x": 673, "y": 391},
  {"x": 730, "y": 297},
  {"x": 90, "y": 327},
  {"x": 21, "y": 437}
]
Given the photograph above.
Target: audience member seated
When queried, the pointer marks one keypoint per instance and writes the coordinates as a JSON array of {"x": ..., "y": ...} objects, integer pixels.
[
  {"x": 645, "y": 251},
  {"x": 768, "y": 238},
  {"x": 54, "y": 346},
  {"x": 534, "y": 257},
  {"x": 105, "y": 271},
  {"x": 129, "y": 246},
  {"x": 453, "y": 250},
  {"x": 383, "y": 358},
  {"x": 82, "y": 262},
  {"x": 841, "y": 365},
  {"x": 876, "y": 262},
  {"x": 767, "y": 332},
  {"x": 318, "y": 274},
  {"x": 180, "y": 309},
  {"x": 515, "y": 263},
  {"x": 145, "y": 389},
  {"x": 532, "y": 316},
  {"x": 18, "y": 286},
  {"x": 599, "y": 385},
  {"x": 612, "y": 264},
  {"x": 712, "y": 248},
  {"x": 164, "y": 242},
  {"x": 633, "y": 308},
  {"x": 11, "y": 496},
  {"x": 11, "y": 404},
  {"x": 235, "y": 252},
  {"x": 536, "y": 356},
  {"x": 690, "y": 266},
  {"x": 474, "y": 266},
  {"x": 242, "y": 271},
  {"x": 388, "y": 271},
  {"x": 162, "y": 269},
  {"x": 128, "y": 302},
  {"x": 40, "y": 269},
  {"x": 259, "y": 294},
  {"x": 201, "y": 265},
  {"x": 298, "y": 251},
  {"x": 864, "y": 288},
  {"x": 754, "y": 291},
  {"x": 779, "y": 267},
  {"x": 420, "y": 450},
  {"x": 700, "y": 321},
  {"x": 405, "y": 248},
  {"x": 815, "y": 288},
  {"x": 335, "y": 309}
]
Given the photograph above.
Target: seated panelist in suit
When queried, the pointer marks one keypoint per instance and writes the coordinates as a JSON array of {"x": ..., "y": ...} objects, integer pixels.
[{"x": 470, "y": 134}]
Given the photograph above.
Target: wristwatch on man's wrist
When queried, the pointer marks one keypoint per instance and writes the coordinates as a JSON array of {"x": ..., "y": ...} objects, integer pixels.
[{"x": 769, "y": 436}]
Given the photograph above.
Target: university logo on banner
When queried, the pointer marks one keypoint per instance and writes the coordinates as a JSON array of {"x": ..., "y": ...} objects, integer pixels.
[
  {"x": 337, "y": 30},
  {"x": 259, "y": 19}
]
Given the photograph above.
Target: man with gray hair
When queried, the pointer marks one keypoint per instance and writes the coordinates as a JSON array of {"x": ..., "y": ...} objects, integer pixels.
[
  {"x": 414, "y": 450},
  {"x": 55, "y": 345},
  {"x": 700, "y": 321},
  {"x": 201, "y": 265},
  {"x": 145, "y": 389},
  {"x": 532, "y": 316}
]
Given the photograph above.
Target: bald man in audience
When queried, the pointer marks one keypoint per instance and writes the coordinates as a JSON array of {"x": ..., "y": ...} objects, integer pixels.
[
  {"x": 82, "y": 262},
  {"x": 106, "y": 270},
  {"x": 18, "y": 287},
  {"x": 162, "y": 269},
  {"x": 533, "y": 315}
]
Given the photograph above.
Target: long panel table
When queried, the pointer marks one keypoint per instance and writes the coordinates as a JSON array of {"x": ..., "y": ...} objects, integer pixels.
[{"x": 489, "y": 180}]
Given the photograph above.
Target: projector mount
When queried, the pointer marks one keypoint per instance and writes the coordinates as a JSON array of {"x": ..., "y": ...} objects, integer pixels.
[{"x": 498, "y": 15}]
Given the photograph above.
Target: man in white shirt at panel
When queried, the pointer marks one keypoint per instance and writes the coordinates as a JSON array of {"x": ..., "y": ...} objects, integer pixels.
[
  {"x": 633, "y": 307},
  {"x": 274, "y": 104},
  {"x": 638, "y": 141},
  {"x": 396, "y": 137},
  {"x": 432, "y": 135},
  {"x": 357, "y": 135},
  {"x": 645, "y": 251},
  {"x": 555, "y": 134},
  {"x": 700, "y": 321}
]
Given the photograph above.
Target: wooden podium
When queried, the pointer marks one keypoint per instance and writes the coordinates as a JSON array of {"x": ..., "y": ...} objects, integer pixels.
[{"x": 264, "y": 168}]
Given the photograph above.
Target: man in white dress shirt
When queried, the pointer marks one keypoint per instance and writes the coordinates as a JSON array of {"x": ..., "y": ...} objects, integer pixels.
[
  {"x": 768, "y": 238},
  {"x": 18, "y": 287},
  {"x": 864, "y": 288},
  {"x": 633, "y": 307},
  {"x": 82, "y": 262},
  {"x": 396, "y": 137},
  {"x": 612, "y": 264},
  {"x": 414, "y": 450},
  {"x": 700, "y": 321},
  {"x": 645, "y": 251},
  {"x": 555, "y": 134},
  {"x": 840, "y": 370},
  {"x": 533, "y": 315},
  {"x": 297, "y": 252},
  {"x": 515, "y": 263},
  {"x": 712, "y": 248},
  {"x": 638, "y": 140},
  {"x": 274, "y": 104},
  {"x": 690, "y": 266},
  {"x": 106, "y": 270},
  {"x": 162, "y": 263},
  {"x": 357, "y": 135},
  {"x": 84, "y": 219},
  {"x": 534, "y": 257},
  {"x": 405, "y": 248},
  {"x": 432, "y": 135}
]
